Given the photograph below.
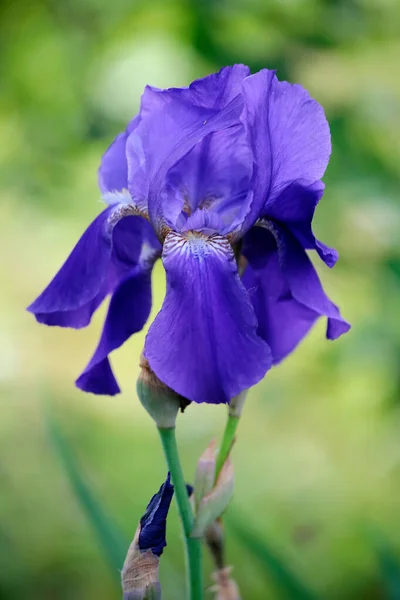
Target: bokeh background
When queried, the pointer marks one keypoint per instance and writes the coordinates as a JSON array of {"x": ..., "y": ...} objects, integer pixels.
[{"x": 316, "y": 512}]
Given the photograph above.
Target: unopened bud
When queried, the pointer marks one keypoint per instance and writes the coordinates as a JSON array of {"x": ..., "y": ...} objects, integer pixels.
[
  {"x": 162, "y": 403},
  {"x": 236, "y": 404},
  {"x": 214, "y": 504},
  {"x": 225, "y": 588},
  {"x": 140, "y": 571},
  {"x": 205, "y": 473}
]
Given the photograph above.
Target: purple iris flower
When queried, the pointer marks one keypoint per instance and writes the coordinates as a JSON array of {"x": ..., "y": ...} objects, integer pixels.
[{"x": 220, "y": 179}]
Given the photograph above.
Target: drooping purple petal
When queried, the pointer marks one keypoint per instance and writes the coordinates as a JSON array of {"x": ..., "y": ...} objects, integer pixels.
[
  {"x": 104, "y": 254},
  {"x": 170, "y": 127},
  {"x": 285, "y": 290},
  {"x": 282, "y": 321},
  {"x": 128, "y": 312},
  {"x": 203, "y": 342},
  {"x": 290, "y": 138},
  {"x": 78, "y": 318},
  {"x": 153, "y": 524},
  {"x": 113, "y": 170},
  {"x": 294, "y": 207}
]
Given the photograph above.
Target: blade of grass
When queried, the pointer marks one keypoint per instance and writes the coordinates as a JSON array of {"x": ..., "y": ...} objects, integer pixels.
[
  {"x": 109, "y": 537},
  {"x": 289, "y": 584}
]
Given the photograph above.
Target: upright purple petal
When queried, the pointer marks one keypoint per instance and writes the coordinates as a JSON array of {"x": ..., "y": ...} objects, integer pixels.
[
  {"x": 256, "y": 91},
  {"x": 170, "y": 127},
  {"x": 128, "y": 312},
  {"x": 113, "y": 170},
  {"x": 105, "y": 253},
  {"x": 285, "y": 290},
  {"x": 203, "y": 342},
  {"x": 215, "y": 176},
  {"x": 290, "y": 138},
  {"x": 299, "y": 134},
  {"x": 215, "y": 90}
]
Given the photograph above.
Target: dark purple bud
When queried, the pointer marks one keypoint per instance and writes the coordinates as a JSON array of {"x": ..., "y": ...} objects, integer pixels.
[
  {"x": 140, "y": 571},
  {"x": 154, "y": 521}
]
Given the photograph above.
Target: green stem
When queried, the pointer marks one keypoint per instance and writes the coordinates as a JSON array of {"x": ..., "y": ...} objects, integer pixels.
[
  {"x": 226, "y": 444},
  {"x": 192, "y": 545}
]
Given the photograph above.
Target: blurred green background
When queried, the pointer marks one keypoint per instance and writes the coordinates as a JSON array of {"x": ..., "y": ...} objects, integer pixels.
[{"x": 318, "y": 454}]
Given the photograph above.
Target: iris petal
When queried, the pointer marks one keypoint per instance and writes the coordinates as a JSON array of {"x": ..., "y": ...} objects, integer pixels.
[
  {"x": 215, "y": 90},
  {"x": 203, "y": 343},
  {"x": 166, "y": 133},
  {"x": 129, "y": 310},
  {"x": 106, "y": 252},
  {"x": 289, "y": 135},
  {"x": 113, "y": 171},
  {"x": 282, "y": 321},
  {"x": 295, "y": 207},
  {"x": 285, "y": 290},
  {"x": 215, "y": 175}
]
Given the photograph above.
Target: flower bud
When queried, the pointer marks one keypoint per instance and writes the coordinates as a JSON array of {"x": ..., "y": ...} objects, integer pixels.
[
  {"x": 140, "y": 571},
  {"x": 140, "y": 575},
  {"x": 215, "y": 502},
  {"x": 225, "y": 588},
  {"x": 160, "y": 401},
  {"x": 205, "y": 473}
]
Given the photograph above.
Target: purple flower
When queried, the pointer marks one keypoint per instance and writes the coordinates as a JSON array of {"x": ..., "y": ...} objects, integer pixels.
[{"x": 228, "y": 171}]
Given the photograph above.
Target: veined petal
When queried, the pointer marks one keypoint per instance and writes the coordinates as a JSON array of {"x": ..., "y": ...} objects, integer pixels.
[
  {"x": 285, "y": 290},
  {"x": 203, "y": 342},
  {"x": 177, "y": 126},
  {"x": 214, "y": 176},
  {"x": 170, "y": 127},
  {"x": 295, "y": 207},
  {"x": 128, "y": 312},
  {"x": 107, "y": 251},
  {"x": 290, "y": 138},
  {"x": 113, "y": 170}
]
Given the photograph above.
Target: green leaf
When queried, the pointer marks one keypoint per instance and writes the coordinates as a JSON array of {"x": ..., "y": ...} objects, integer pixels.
[
  {"x": 108, "y": 535},
  {"x": 289, "y": 584}
]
